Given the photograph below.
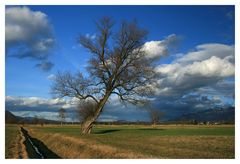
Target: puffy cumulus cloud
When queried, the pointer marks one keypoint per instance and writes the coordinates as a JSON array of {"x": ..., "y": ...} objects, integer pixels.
[
  {"x": 22, "y": 24},
  {"x": 198, "y": 80},
  {"x": 28, "y": 34},
  {"x": 200, "y": 70},
  {"x": 206, "y": 51},
  {"x": 156, "y": 49},
  {"x": 43, "y": 45},
  {"x": 213, "y": 67}
]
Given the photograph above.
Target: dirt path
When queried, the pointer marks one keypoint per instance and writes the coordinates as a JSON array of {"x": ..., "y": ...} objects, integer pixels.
[
  {"x": 17, "y": 149},
  {"x": 35, "y": 148},
  {"x": 21, "y": 148}
]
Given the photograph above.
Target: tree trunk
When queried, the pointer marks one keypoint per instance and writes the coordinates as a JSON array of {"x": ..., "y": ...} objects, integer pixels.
[{"x": 87, "y": 125}]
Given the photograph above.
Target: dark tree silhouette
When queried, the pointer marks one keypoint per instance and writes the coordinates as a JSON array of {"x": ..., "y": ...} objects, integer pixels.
[
  {"x": 35, "y": 120},
  {"x": 85, "y": 110},
  {"x": 62, "y": 115},
  {"x": 118, "y": 65},
  {"x": 155, "y": 115}
]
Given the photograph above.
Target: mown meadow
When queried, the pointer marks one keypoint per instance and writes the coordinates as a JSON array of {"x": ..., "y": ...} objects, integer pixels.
[{"x": 134, "y": 141}]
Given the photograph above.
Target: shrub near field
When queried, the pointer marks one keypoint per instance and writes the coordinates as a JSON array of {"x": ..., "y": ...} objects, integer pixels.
[{"x": 139, "y": 141}]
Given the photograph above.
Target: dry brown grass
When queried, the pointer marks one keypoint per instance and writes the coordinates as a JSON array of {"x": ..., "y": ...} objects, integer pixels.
[
  {"x": 22, "y": 152},
  {"x": 71, "y": 147},
  {"x": 193, "y": 146},
  {"x": 17, "y": 148},
  {"x": 124, "y": 145},
  {"x": 14, "y": 150}
]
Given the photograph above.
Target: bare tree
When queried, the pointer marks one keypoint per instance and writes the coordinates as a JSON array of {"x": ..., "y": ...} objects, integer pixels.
[
  {"x": 155, "y": 115},
  {"x": 41, "y": 120},
  {"x": 85, "y": 110},
  {"x": 35, "y": 120},
  {"x": 118, "y": 65},
  {"x": 62, "y": 115}
]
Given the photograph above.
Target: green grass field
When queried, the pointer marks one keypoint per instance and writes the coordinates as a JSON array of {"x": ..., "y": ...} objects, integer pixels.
[
  {"x": 138, "y": 141},
  {"x": 11, "y": 133},
  {"x": 135, "y": 130}
]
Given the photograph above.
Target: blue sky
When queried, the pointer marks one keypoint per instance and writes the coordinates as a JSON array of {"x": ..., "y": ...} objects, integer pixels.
[{"x": 199, "y": 30}]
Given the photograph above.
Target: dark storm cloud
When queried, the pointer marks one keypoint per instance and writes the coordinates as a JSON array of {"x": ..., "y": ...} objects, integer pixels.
[{"x": 177, "y": 106}]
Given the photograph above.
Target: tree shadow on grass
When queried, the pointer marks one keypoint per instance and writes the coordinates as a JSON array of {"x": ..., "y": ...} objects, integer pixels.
[
  {"x": 151, "y": 129},
  {"x": 42, "y": 148},
  {"x": 106, "y": 131},
  {"x": 117, "y": 130}
]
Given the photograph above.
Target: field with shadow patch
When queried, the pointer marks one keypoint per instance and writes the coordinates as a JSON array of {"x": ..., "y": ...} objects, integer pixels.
[{"x": 138, "y": 141}]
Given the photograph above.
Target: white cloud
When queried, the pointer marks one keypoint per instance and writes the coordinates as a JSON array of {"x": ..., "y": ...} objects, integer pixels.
[
  {"x": 209, "y": 64},
  {"x": 43, "y": 45},
  {"x": 155, "y": 49},
  {"x": 51, "y": 77},
  {"x": 22, "y": 24},
  {"x": 29, "y": 35},
  {"x": 37, "y": 101},
  {"x": 206, "y": 51},
  {"x": 213, "y": 67}
]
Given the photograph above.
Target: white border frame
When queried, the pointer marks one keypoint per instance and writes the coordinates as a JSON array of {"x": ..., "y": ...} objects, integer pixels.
[{"x": 121, "y": 2}]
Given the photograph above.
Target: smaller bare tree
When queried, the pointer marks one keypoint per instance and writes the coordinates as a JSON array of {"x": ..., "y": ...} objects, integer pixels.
[
  {"x": 62, "y": 115},
  {"x": 41, "y": 120},
  {"x": 35, "y": 120},
  {"x": 86, "y": 109},
  {"x": 155, "y": 115}
]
